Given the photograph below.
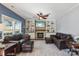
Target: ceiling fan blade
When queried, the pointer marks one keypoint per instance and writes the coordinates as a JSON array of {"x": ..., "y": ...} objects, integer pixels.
[{"x": 43, "y": 16}]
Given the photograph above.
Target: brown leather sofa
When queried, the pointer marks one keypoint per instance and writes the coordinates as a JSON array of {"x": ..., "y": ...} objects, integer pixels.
[
  {"x": 10, "y": 50},
  {"x": 23, "y": 42},
  {"x": 17, "y": 38},
  {"x": 60, "y": 40}
]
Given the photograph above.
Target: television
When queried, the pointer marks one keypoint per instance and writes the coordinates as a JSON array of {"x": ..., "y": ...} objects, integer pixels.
[{"x": 40, "y": 24}]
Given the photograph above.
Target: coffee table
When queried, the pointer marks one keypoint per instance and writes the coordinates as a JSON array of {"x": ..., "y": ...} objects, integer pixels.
[{"x": 8, "y": 48}]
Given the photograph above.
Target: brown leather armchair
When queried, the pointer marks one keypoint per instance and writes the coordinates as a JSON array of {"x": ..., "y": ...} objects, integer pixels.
[{"x": 28, "y": 44}]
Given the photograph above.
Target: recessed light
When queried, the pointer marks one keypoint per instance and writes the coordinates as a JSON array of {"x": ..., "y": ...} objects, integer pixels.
[{"x": 12, "y": 6}]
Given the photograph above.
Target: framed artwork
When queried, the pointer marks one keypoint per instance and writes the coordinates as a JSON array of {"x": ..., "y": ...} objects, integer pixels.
[{"x": 0, "y": 34}]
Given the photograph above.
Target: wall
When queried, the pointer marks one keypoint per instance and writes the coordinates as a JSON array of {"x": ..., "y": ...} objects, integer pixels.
[
  {"x": 69, "y": 23},
  {"x": 4, "y": 10}
]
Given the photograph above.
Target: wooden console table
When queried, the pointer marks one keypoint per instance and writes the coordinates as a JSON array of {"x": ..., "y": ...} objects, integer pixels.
[{"x": 9, "y": 47}]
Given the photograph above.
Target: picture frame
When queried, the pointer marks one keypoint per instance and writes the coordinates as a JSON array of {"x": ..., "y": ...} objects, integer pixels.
[{"x": 1, "y": 35}]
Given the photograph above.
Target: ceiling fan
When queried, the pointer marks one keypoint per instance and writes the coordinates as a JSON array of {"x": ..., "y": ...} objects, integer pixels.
[{"x": 41, "y": 15}]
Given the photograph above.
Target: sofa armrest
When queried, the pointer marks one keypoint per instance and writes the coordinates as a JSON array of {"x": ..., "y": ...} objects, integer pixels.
[
  {"x": 61, "y": 44},
  {"x": 53, "y": 37}
]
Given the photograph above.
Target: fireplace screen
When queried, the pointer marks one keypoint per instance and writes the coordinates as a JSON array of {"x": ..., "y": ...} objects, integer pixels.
[{"x": 40, "y": 35}]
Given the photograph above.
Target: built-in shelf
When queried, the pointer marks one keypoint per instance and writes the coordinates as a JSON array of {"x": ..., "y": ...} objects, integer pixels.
[{"x": 48, "y": 27}]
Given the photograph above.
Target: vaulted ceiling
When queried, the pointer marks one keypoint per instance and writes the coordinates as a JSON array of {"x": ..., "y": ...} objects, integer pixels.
[{"x": 30, "y": 10}]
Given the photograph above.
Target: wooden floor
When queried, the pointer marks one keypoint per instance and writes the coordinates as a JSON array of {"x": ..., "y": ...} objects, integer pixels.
[{"x": 43, "y": 49}]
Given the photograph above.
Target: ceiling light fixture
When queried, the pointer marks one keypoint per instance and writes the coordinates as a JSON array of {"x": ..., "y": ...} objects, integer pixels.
[{"x": 12, "y": 6}]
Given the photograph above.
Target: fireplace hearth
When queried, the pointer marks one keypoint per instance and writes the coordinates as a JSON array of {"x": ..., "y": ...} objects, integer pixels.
[{"x": 40, "y": 35}]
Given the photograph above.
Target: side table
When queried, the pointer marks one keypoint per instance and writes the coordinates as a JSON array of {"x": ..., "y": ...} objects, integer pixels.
[
  {"x": 48, "y": 40},
  {"x": 74, "y": 48}
]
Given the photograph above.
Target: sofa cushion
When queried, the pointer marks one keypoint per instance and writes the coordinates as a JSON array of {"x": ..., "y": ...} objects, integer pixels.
[
  {"x": 63, "y": 36},
  {"x": 7, "y": 39},
  {"x": 58, "y": 35},
  {"x": 17, "y": 37}
]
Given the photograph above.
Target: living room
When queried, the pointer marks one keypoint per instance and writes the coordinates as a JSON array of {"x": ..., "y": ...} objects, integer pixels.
[{"x": 39, "y": 29}]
